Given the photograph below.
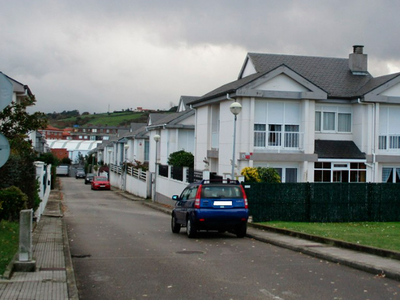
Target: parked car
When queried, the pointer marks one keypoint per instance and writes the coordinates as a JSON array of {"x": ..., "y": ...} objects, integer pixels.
[
  {"x": 209, "y": 205},
  {"x": 80, "y": 173},
  {"x": 89, "y": 177},
  {"x": 100, "y": 183}
]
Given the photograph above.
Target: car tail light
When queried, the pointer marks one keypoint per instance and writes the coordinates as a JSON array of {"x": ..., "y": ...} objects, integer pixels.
[
  {"x": 246, "y": 204},
  {"x": 197, "y": 199}
]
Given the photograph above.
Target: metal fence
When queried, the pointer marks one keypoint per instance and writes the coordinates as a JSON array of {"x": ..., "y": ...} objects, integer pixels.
[
  {"x": 177, "y": 173},
  {"x": 324, "y": 202}
]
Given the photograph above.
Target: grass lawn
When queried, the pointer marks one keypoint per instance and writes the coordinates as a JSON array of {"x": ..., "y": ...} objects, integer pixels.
[
  {"x": 380, "y": 235},
  {"x": 9, "y": 235}
]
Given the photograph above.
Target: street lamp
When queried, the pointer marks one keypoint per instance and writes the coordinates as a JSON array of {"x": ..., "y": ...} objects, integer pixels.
[
  {"x": 126, "y": 147},
  {"x": 157, "y": 138},
  {"x": 235, "y": 108}
]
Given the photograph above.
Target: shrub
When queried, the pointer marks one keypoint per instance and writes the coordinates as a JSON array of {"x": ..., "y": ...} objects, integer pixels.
[
  {"x": 12, "y": 201},
  {"x": 260, "y": 174},
  {"x": 250, "y": 175},
  {"x": 181, "y": 159}
]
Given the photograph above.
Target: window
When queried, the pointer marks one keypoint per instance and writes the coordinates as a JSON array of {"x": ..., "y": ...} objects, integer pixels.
[
  {"x": 292, "y": 136},
  {"x": 274, "y": 135},
  {"x": 259, "y": 135},
  {"x": 215, "y": 124},
  {"x": 339, "y": 172},
  {"x": 146, "y": 150},
  {"x": 390, "y": 175},
  {"x": 94, "y": 130},
  {"x": 287, "y": 174},
  {"x": 389, "y": 128},
  {"x": 332, "y": 118},
  {"x": 277, "y": 124}
]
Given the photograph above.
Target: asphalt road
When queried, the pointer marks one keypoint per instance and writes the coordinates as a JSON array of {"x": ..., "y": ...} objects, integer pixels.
[{"x": 124, "y": 250}]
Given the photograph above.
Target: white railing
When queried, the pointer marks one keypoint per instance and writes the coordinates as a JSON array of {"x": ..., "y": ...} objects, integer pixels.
[
  {"x": 138, "y": 173},
  {"x": 389, "y": 142},
  {"x": 279, "y": 140}
]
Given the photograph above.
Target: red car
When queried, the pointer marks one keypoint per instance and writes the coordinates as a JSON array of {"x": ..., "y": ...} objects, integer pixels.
[{"x": 100, "y": 183}]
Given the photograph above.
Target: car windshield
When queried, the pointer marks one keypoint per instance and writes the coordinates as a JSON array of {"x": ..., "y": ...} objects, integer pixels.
[
  {"x": 101, "y": 178},
  {"x": 224, "y": 191}
]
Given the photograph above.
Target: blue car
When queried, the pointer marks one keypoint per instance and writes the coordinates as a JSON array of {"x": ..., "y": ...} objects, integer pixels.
[{"x": 206, "y": 205}]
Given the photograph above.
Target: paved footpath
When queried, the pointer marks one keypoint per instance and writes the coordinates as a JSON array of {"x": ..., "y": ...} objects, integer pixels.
[{"x": 53, "y": 278}]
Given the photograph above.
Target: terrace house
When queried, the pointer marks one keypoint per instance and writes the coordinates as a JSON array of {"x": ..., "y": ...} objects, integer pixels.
[{"x": 313, "y": 119}]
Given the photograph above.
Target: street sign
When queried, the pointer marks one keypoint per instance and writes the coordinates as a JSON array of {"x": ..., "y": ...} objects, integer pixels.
[
  {"x": 6, "y": 91},
  {"x": 4, "y": 150}
]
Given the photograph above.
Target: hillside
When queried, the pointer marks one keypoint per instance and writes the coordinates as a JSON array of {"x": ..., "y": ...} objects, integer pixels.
[{"x": 69, "y": 119}]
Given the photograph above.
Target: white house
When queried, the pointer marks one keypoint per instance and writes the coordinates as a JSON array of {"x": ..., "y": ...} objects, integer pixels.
[
  {"x": 314, "y": 119},
  {"x": 176, "y": 131}
]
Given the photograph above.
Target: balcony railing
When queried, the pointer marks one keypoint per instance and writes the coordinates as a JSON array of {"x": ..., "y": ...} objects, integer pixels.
[
  {"x": 389, "y": 142},
  {"x": 279, "y": 140}
]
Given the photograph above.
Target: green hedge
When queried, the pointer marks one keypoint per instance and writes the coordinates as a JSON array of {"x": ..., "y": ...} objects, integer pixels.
[{"x": 324, "y": 202}]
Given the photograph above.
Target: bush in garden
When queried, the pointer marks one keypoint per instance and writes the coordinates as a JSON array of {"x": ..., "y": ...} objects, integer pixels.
[
  {"x": 12, "y": 201},
  {"x": 260, "y": 174},
  {"x": 181, "y": 159}
]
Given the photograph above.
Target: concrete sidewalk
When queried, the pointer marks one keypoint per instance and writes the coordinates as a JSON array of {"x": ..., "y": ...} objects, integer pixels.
[{"x": 54, "y": 276}]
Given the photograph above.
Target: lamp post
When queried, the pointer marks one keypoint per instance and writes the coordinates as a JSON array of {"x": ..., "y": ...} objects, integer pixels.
[
  {"x": 156, "y": 139},
  {"x": 235, "y": 108},
  {"x": 126, "y": 147}
]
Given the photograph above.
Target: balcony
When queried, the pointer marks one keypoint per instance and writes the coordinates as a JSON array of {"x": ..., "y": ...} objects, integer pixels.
[
  {"x": 390, "y": 142},
  {"x": 277, "y": 140}
]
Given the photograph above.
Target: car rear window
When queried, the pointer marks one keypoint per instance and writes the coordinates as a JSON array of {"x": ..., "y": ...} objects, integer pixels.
[{"x": 225, "y": 191}]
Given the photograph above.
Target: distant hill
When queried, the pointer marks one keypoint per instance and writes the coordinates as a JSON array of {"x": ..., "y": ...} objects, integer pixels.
[{"x": 120, "y": 118}]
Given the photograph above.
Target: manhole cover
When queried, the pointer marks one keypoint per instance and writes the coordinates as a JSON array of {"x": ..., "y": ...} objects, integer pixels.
[{"x": 190, "y": 252}]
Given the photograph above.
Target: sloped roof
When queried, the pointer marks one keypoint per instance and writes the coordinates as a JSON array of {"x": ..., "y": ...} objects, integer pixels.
[
  {"x": 332, "y": 75},
  {"x": 172, "y": 118},
  {"x": 187, "y": 99},
  {"x": 338, "y": 150},
  {"x": 376, "y": 82}
]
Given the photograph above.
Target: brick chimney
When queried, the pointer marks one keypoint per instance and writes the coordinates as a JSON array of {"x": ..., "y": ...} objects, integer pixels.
[{"x": 358, "y": 61}]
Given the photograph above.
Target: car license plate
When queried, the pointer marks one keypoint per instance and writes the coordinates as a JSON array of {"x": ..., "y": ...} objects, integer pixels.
[
  {"x": 102, "y": 185},
  {"x": 223, "y": 203}
]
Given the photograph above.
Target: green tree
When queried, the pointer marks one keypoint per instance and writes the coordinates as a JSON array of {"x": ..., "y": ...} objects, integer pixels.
[
  {"x": 181, "y": 159},
  {"x": 19, "y": 170},
  {"x": 269, "y": 175}
]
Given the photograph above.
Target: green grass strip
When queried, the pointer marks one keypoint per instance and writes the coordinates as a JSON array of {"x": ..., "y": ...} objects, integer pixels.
[
  {"x": 9, "y": 235},
  {"x": 384, "y": 235}
]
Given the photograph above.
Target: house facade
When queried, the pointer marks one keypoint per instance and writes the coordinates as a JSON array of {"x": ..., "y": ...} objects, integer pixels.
[{"x": 313, "y": 119}]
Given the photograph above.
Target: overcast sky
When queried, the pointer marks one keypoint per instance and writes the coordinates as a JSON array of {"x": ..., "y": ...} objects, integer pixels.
[{"x": 92, "y": 55}]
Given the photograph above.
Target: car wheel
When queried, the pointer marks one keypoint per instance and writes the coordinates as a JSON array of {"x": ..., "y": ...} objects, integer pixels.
[
  {"x": 190, "y": 228},
  {"x": 241, "y": 230},
  {"x": 175, "y": 227}
]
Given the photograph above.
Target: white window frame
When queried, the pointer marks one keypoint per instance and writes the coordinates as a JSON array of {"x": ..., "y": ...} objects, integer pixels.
[
  {"x": 341, "y": 165},
  {"x": 267, "y": 118},
  {"x": 323, "y": 111}
]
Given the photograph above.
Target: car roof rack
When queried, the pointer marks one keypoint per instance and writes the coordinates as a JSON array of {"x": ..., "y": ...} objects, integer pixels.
[{"x": 229, "y": 181}]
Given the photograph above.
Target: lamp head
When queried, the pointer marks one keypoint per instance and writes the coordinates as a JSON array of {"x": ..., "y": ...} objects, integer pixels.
[{"x": 235, "y": 108}]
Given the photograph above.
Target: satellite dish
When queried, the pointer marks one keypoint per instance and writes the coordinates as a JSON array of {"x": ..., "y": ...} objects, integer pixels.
[
  {"x": 4, "y": 150},
  {"x": 6, "y": 91}
]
